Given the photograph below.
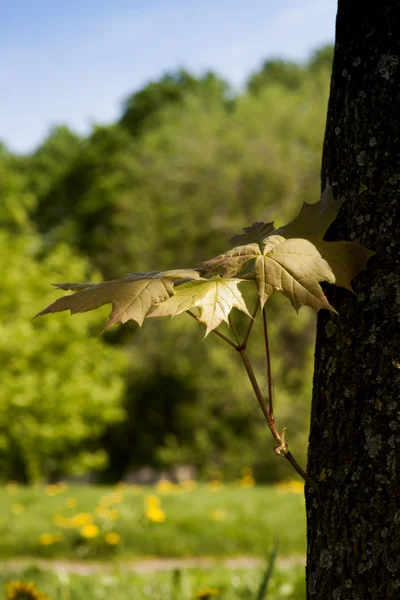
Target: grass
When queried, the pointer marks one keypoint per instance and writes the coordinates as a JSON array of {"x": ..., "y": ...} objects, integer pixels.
[
  {"x": 131, "y": 522},
  {"x": 226, "y": 584}
]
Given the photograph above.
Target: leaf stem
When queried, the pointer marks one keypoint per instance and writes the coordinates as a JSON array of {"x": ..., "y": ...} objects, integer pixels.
[
  {"x": 232, "y": 324},
  {"x": 282, "y": 447},
  {"x": 218, "y": 333},
  {"x": 254, "y": 383},
  {"x": 268, "y": 360},
  {"x": 289, "y": 456},
  {"x": 250, "y": 325},
  {"x": 267, "y": 411}
]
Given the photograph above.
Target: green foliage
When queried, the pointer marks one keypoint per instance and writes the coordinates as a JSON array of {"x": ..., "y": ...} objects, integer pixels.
[
  {"x": 141, "y": 111},
  {"x": 185, "y": 152},
  {"x": 60, "y": 387},
  {"x": 293, "y": 266}
]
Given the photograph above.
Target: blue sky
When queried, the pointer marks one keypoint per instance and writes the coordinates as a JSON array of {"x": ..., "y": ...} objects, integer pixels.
[{"x": 74, "y": 62}]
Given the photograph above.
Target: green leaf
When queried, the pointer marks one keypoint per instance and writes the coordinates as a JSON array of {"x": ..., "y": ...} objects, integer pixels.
[
  {"x": 214, "y": 298},
  {"x": 231, "y": 262},
  {"x": 256, "y": 233},
  {"x": 131, "y": 297},
  {"x": 346, "y": 259},
  {"x": 313, "y": 219},
  {"x": 294, "y": 267}
]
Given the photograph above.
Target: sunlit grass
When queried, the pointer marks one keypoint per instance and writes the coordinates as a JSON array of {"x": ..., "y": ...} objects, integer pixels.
[
  {"x": 79, "y": 522},
  {"x": 226, "y": 584}
]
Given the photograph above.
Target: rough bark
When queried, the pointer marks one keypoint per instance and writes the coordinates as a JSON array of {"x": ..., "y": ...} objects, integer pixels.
[{"x": 353, "y": 524}]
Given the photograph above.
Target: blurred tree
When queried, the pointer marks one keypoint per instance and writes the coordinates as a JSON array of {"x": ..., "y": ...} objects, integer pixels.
[
  {"x": 321, "y": 59},
  {"x": 60, "y": 385},
  {"x": 141, "y": 110},
  {"x": 288, "y": 74},
  {"x": 135, "y": 197},
  {"x": 51, "y": 160}
]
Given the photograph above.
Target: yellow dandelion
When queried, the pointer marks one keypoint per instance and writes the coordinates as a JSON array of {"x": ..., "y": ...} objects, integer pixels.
[
  {"x": 165, "y": 487},
  {"x": 290, "y": 485},
  {"x": 112, "y": 538},
  {"x": 217, "y": 515},
  {"x": 47, "y": 539},
  {"x": 81, "y": 519},
  {"x": 90, "y": 531},
  {"x": 71, "y": 502},
  {"x": 109, "y": 514},
  {"x": 17, "y": 509},
  {"x": 207, "y": 593},
  {"x": 11, "y": 487},
  {"x": 61, "y": 521},
  {"x": 151, "y": 502},
  {"x": 156, "y": 515},
  {"x": 247, "y": 481},
  {"x": 214, "y": 485},
  {"x": 188, "y": 485},
  {"x": 53, "y": 489},
  {"x": 22, "y": 590},
  {"x": 115, "y": 498}
]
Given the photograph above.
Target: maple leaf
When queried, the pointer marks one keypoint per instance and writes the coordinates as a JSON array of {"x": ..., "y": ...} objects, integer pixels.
[
  {"x": 256, "y": 233},
  {"x": 214, "y": 298},
  {"x": 313, "y": 219},
  {"x": 294, "y": 259},
  {"x": 131, "y": 297},
  {"x": 294, "y": 267}
]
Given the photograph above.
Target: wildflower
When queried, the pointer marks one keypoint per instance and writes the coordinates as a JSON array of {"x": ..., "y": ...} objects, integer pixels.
[
  {"x": 207, "y": 593},
  {"x": 247, "y": 481},
  {"x": 80, "y": 519},
  {"x": 22, "y": 590},
  {"x": 165, "y": 487},
  {"x": 112, "y": 538},
  {"x": 61, "y": 521},
  {"x": 152, "y": 509},
  {"x": 214, "y": 485},
  {"x": 109, "y": 514},
  {"x": 290, "y": 485},
  {"x": 54, "y": 489},
  {"x": 188, "y": 485},
  {"x": 217, "y": 515},
  {"x": 152, "y": 502},
  {"x": 114, "y": 498},
  {"x": 71, "y": 502},
  {"x": 11, "y": 487},
  {"x": 17, "y": 509},
  {"x": 156, "y": 515},
  {"x": 90, "y": 531},
  {"x": 46, "y": 539}
]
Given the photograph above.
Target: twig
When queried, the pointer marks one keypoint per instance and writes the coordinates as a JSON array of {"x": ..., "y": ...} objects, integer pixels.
[
  {"x": 250, "y": 325},
  {"x": 218, "y": 333},
  {"x": 268, "y": 360}
]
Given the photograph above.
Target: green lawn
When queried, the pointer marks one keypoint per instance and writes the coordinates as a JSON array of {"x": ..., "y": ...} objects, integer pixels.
[
  {"x": 81, "y": 522},
  {"x": 177, "y": 585}
]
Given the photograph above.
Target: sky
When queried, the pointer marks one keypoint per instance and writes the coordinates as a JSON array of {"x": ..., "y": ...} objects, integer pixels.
[{"x": 75, "y": 62}]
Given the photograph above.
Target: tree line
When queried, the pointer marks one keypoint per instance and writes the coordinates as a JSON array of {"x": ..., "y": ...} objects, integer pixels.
[{"x": 189, "y": 163}]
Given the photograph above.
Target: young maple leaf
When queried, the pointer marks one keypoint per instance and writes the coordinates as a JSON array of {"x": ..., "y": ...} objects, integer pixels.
[
  {"x": 131, "y": 297},
  {"x": 313, "y": 219},
  {"x": 294, "y": 259},
  {"x": 294, "y": 267},
  {"x": 214, "y": 298}
]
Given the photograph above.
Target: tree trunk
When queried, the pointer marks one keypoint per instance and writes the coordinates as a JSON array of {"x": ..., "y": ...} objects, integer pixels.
[{"x": 353, "y": 523}]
